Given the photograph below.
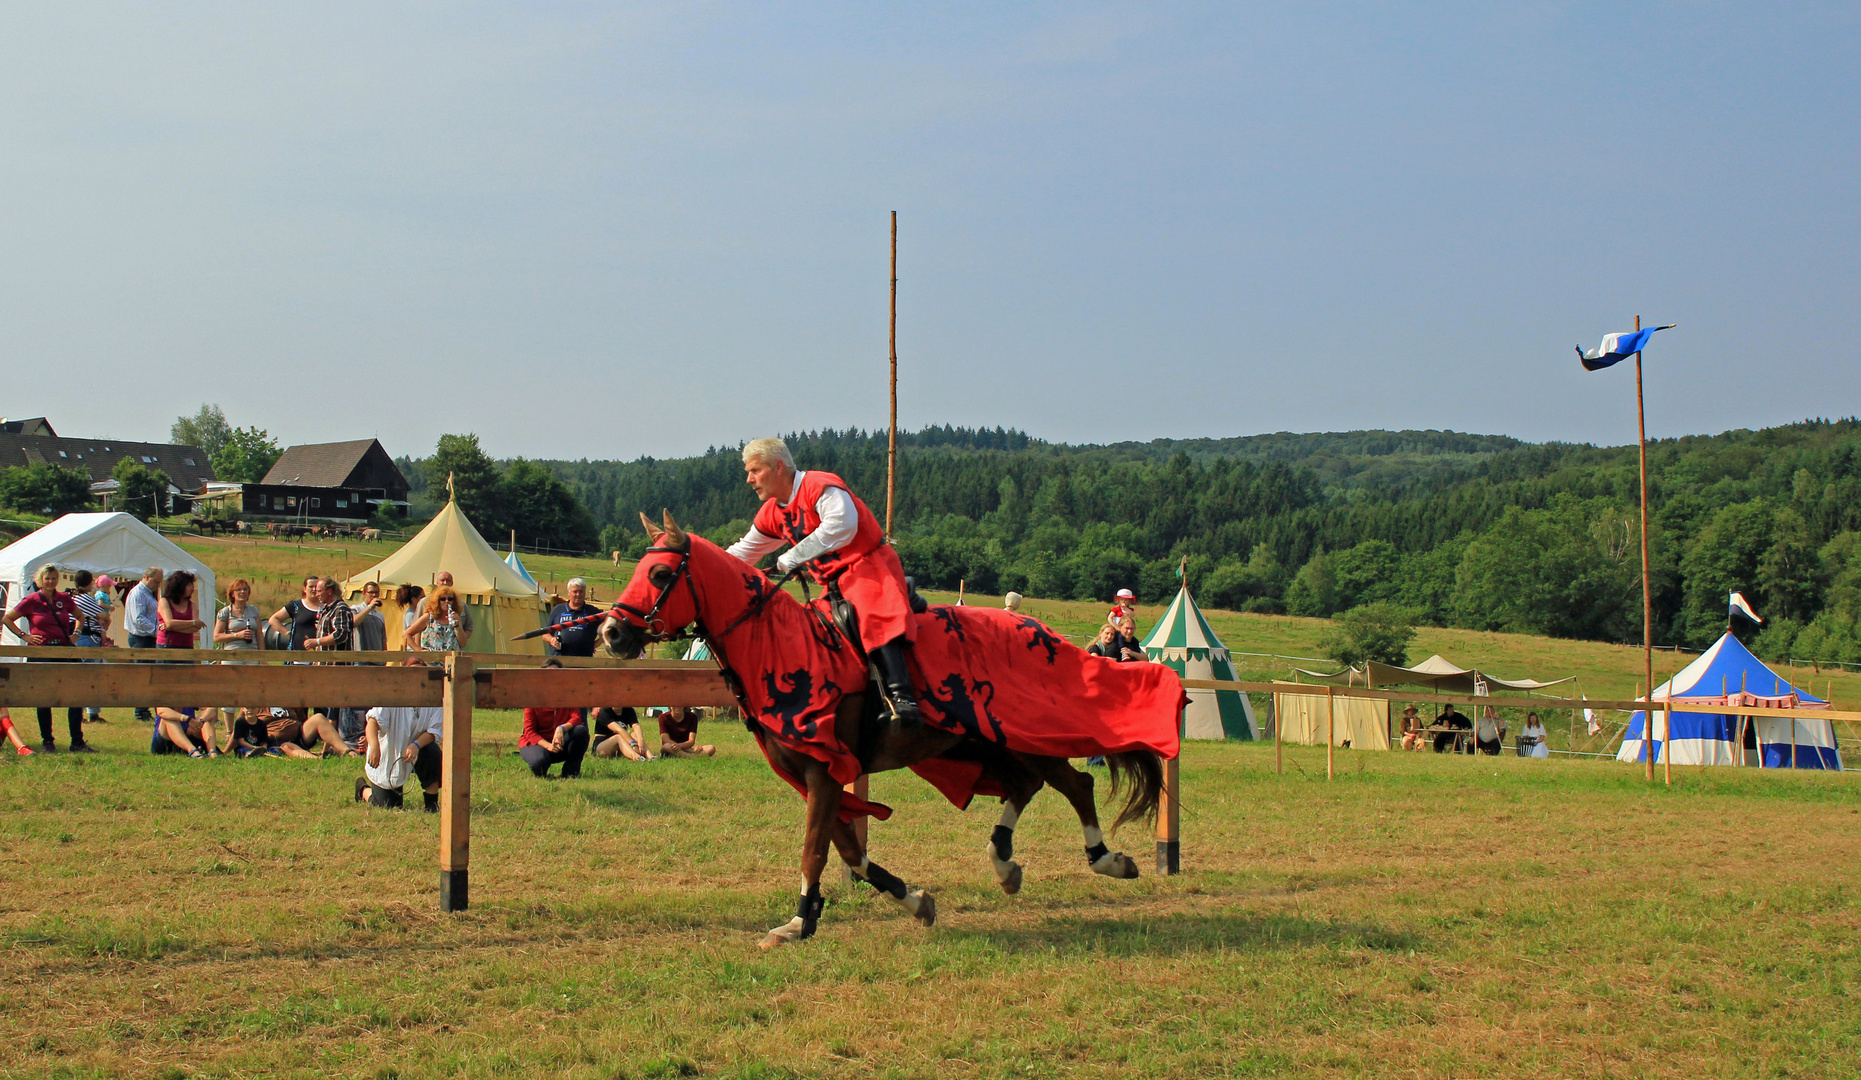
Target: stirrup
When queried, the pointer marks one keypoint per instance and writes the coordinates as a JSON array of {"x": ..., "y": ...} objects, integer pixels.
[{"x": 903, "y": 702}]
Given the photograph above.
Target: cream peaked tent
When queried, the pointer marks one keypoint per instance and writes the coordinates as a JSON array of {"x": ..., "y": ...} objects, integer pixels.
[
  {"x": 1182, "y": 641},
  {"x": 502, "y": 602},
  {"x": 114, "y": 544},
  {"x": 1437, "y": 673}
]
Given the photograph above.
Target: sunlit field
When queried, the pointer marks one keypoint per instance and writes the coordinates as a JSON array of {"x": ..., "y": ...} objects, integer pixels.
[{"x": 1419, "y": 915}]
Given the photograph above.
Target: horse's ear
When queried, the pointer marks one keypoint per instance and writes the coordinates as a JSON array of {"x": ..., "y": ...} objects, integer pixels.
[
  {"x": 653, "y": 532},
  {"x": 675, "y": 536}
]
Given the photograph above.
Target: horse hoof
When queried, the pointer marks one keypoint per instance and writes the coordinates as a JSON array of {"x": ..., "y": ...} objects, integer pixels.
[
  {"x": 1116, "y": 864},
  {"x": 1011, "y": 884},
  {"x": 786, "y": 934},
  {"x": 926, "y": 914}
]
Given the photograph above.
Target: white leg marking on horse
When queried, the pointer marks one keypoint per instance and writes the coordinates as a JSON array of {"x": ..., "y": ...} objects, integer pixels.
[
  {"x": 1093, "y": 837},
  {"x": 1010, "y": 815},
  {"x": 782, "y": 935}
]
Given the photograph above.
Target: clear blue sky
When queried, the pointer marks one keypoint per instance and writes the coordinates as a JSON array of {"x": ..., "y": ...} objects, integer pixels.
[{"x": 606, "y": 231}]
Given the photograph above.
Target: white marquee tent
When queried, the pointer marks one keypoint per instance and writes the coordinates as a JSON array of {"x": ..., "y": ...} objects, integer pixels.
[{"x": 114, "y": 544}]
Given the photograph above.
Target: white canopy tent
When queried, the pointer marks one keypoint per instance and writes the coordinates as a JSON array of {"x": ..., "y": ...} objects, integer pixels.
[{"x": 114, "y": 544}]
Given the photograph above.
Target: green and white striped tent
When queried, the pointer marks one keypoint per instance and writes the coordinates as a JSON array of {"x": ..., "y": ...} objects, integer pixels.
[{"x": 1182, "y": 639}]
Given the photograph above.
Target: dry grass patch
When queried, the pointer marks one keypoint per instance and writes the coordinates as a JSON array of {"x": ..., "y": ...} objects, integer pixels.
[{"x": 1426, "y": 916}]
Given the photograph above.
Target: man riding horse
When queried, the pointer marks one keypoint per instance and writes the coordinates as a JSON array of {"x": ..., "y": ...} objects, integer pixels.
[{"x": 838, "y": 539}]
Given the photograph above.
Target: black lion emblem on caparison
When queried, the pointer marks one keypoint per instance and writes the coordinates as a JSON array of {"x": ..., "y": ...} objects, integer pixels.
[
  {"x": 790, "y": 706},
  {"x": 1041, "y": 636},
  {"x": 963, "y": 708},
  {"x": 946, "y": 614}
]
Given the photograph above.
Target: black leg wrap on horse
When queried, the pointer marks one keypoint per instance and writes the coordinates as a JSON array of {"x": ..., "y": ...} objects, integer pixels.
[
  {"x": 809, "y": 912},
  {"x": 883, "y": 880},
  {"x": 897, "y": 674},
  {"x": 1003, "y": 839},
  {"x": 1096, "y": 852}
]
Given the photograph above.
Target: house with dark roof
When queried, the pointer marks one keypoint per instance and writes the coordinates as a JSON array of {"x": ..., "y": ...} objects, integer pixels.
[
  {"x": 343, "y": 482},
  {"x": 187, "y": 467},
  {"x": 31, "y": 425}
]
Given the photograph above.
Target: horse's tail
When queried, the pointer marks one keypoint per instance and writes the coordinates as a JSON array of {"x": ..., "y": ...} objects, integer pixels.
[{"x": 1142, "y": 772}]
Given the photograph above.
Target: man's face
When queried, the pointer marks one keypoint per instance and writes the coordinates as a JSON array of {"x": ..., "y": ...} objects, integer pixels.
[
  {"x": 330, "y": 593},
  {"x": 770, "y": 480},
  {"x": 578, "y": 595},
  {"x": 153, "y": 581},
  {"x": 444, "y": 578},
  {"x": 371, "y": 592}
]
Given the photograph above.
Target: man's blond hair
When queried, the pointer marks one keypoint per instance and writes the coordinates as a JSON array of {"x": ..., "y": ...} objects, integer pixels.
[{"x": 768, "y": 452}]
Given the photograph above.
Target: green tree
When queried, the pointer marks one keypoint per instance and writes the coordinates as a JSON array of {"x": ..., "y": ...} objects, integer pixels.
[
  {"x": 1555, "y": 571},
  {"x": 1314, "y": 588},
  {"x": 542, "y": 509},
  {"x": 1381, "y": 632},
  {"x": 246, "y": 456},
  {"x": 475, "y": 481},
  {"x": 44, "y": 489},
  {"x": 1790, "y": 575},
  {"x": 206, "y": 429},
  {"x": 1366, "y": 573},
  {"x": 141, "y": 492},
  {"x": 1723, "y": 558}
]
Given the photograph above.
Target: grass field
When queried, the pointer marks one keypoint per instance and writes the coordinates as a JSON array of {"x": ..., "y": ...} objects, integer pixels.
[{"x": 1419, "y": 916}]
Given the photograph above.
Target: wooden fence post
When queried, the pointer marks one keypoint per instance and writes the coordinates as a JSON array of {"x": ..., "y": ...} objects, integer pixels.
[
  {"x": 1170, "y": 813},
  {"x": 858, "y": 787},
  {"x": 1330, "y": 737},
  {"x": 455, "y": 801}
]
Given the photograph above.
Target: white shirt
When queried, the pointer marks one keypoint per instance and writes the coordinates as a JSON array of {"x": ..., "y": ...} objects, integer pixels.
[
  {"x": 839, "y": 524},
  {"x": 397, "y": 726}
]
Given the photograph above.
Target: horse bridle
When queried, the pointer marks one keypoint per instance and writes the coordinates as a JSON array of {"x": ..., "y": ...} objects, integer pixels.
[{"x": 651, "y": 616}]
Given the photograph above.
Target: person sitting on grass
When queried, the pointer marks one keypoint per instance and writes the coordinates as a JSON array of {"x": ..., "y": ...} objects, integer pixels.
[
  {"x": 618, "y": 734},
  {"x": 401, "y": 739},
  {"x": 12, "y": 736},
  {"x": 185, "y": 731},
  {"x": 678, "y": 734},
  {"x": 551, "y": 736},
  {"x": 293, "y": 732},
  {"x": 251, "y": 734}
]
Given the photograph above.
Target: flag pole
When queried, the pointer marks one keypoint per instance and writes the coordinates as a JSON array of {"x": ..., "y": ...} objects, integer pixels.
[
  {"x": 1647, "y": 587},
  {"x": 891, "y": 452}
]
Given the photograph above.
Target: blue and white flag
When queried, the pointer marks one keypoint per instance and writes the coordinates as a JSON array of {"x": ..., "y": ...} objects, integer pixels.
[
  {"x": 1618, "y": 347},
  {"x": 1740, "y": 605}
]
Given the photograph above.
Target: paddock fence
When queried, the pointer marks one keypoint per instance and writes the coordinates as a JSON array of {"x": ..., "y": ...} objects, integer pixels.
[{"x": 459, "y": 683}]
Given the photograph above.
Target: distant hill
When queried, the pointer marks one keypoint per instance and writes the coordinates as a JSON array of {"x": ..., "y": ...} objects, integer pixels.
[{"x": 1478, "y": 531}]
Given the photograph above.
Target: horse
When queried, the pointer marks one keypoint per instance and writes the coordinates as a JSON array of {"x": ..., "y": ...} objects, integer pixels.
[{"x": 1006, "y": 702}]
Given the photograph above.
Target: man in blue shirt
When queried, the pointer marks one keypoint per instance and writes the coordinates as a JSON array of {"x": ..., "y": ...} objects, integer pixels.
[
  {"x": 577, "y": 640},
  {"x": 140, "y": 619}
]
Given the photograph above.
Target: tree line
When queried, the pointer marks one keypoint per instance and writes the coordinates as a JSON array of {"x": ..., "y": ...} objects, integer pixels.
[{"x": 1483, "y": 532}]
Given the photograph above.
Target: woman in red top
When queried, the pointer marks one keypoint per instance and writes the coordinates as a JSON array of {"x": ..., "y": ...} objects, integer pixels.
[
  {"x": 52, "y": 620},
  {"x": 175, "y": 613},
  {"x": 553, "y": 735}
]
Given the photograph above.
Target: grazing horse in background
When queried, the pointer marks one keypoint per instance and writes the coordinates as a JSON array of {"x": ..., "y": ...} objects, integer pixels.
[{"x": 1006, "y": 702}]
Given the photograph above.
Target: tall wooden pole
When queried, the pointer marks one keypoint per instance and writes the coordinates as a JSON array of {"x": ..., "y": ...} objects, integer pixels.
[
  {"x": 1647, "y": 586},
  {"x": 1330, "y": 738},
  {"x": 891, "y": 453}
]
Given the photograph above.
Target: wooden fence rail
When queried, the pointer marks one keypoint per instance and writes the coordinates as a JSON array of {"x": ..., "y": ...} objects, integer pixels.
[{"x": 456, "y": 685}]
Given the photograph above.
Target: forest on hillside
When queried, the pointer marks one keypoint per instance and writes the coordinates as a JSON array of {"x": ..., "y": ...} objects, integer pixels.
[{"x": 1474, "y": 531}]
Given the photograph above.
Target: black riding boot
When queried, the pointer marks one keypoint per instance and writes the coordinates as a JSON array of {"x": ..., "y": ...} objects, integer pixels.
[{"x": 898, "y": 688}]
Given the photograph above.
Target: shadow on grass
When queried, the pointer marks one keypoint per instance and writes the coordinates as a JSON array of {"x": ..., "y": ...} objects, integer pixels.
[
  {"x": 632, "y": 801},
  {"x": 1143, "y": 935}
]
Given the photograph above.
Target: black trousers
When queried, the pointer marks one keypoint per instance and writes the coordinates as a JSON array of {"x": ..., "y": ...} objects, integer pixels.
[
  {"x": 574, "y": 748},
  {"x": 74, "y": 718},
  {"x": 426, "y": 774}
]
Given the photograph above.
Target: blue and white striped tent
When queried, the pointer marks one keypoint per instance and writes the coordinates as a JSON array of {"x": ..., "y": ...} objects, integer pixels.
[
  {"x": 1727, "y": 674},
  {"x": 523, "y": 573}
]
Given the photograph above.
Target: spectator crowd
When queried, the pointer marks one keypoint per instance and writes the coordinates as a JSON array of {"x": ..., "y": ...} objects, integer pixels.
[{"x": 396, "y": 745}]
